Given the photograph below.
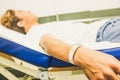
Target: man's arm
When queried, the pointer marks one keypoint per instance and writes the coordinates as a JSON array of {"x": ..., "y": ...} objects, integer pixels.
[
  {"x": 55, "y": 47},
  {"x": 96, "y": 65}
]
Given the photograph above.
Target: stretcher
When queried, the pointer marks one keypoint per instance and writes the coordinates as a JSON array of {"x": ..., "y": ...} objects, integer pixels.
[{"x": 33, "y": 61}]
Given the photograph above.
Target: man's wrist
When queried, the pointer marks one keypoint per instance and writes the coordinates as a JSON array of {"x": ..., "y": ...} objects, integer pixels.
[{"x": 72, "y": 53}]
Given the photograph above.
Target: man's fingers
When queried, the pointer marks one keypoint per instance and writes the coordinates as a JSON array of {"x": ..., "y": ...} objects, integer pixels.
[
  {"x": 111, "y": 75},
  {"x": 95, "y": 76},
  {"x": 88, "y": 74},
  {"x": 116, "y": 67}
]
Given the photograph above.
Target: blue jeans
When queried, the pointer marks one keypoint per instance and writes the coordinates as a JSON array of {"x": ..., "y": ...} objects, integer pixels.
[{"x": 110, "y": 31}]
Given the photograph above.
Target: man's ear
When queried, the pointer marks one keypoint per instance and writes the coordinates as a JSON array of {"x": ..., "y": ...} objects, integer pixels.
[{"x": 21, "y": 23}]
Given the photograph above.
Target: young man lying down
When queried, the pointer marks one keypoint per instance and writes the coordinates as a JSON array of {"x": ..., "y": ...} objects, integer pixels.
[{"x": 55, "y": 41}]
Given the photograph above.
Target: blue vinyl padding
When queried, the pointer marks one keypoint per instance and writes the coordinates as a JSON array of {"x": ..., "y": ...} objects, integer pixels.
[
  {"x": 29, "y": 55},
  {"x": 112, "y": 51},
  {"x": 40, "y": 59}
]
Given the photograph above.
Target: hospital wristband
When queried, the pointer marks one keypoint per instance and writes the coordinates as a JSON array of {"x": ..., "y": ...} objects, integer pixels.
[{"x": 72, "y": 52}]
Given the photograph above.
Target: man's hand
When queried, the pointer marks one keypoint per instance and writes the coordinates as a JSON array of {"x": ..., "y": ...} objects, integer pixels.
[{"x": 97, "y": 65}]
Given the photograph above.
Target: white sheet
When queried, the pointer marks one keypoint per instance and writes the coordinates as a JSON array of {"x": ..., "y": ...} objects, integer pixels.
[{"x": 23, "y": 40}]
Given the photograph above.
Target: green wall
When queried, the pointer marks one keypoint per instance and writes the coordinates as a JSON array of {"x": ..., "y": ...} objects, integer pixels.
[{"x": 81, "y": 15}]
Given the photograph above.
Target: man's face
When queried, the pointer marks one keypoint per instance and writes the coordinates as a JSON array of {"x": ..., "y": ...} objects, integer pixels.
[{"x": 27, "y": 16}]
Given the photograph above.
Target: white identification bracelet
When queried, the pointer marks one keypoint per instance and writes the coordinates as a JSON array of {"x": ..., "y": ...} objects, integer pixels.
[{"x": 72, "y": 52}]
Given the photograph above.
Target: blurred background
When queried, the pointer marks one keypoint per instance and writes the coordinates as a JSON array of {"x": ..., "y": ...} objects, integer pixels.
[{"x": 53, "y": 7}]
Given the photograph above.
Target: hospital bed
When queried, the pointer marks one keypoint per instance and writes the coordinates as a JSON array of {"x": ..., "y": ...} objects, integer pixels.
[{"x": 34, "y": 62}]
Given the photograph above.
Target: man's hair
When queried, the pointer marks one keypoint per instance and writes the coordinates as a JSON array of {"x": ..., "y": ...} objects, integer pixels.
[{"x": 9, "y": 20}]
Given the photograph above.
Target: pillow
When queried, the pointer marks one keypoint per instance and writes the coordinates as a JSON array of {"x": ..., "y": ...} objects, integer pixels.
[
  {"x": 10, "y": 34},
  {"x": 18, "y": 38}
]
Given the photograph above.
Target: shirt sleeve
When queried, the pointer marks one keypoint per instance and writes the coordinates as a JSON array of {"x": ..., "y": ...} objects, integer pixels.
[{"x": 35, "y": 34}]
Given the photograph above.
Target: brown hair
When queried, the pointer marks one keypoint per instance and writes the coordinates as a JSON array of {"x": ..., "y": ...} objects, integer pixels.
[{"x": 9, "y": 20}]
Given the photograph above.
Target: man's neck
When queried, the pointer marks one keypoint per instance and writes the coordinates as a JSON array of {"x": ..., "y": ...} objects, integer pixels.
[{"x": 29, "y": 26}]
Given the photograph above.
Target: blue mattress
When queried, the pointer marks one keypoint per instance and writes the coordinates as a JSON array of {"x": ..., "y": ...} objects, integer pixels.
[{"x": 38, "y": 58}]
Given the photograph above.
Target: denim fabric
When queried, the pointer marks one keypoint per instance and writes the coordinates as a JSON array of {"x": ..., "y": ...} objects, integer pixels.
[{"x": 110, "y": 31}]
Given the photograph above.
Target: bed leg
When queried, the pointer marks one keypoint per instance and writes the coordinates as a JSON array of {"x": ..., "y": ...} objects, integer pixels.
[
  {"x": 43, "y": 75},
  {"x": 7, "y": 74}
]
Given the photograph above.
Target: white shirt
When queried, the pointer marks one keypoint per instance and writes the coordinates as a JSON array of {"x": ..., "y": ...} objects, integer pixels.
[{"x": 66, "y": 31}]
